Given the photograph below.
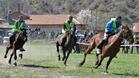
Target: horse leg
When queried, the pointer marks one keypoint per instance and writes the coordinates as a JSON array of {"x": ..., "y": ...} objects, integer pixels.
[
  {"x": 7, "y": 50},
  {"x": 64, "y": 53},
  {"x": 65, "y": 62},
  {"x": 97, "y": 59},
  {"x": 15, "y": 57},
  {"x": 21, "y": 52},
  {"x": 83, "y": 61},
  {"x": 57, "y": 46},
  {"x": 11, "y": 58},
  {"x": 137, "y": 49},
  {"x": 88, "y": 51},
  {"x": 132, "y": 50},
  {"x": 99, "y": 63},
  {"x": 108, "y": 63}
]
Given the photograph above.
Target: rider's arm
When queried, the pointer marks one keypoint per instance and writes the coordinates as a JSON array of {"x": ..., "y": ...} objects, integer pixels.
[
  {"x": 108, "y": 28},
  {"x": 64, "y": 27}
]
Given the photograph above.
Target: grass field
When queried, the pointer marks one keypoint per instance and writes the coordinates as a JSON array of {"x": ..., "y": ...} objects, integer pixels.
[{"x": 40, "y": 61}]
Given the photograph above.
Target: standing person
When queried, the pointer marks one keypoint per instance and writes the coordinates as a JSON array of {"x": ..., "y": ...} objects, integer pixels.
[{"x": 112, "y": 27}]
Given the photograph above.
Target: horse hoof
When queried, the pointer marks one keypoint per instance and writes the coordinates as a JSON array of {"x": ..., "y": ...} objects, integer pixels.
[
  {"x": 5, "y": 56},
  {"x": 15, "y": 64},
  {"x": 63, "y": 59},
  {"x": 65, "y": 64},
  {"x": 105, "y": 72},
  {"x": 81, "y": 63},
  {"x": 9, "y": 62},
  {"x": 95, "y": 67}
]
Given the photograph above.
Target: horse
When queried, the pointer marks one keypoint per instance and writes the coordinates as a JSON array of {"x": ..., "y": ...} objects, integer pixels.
[
  {"x": 69, "y": 44},
  {"x": 111, "y": 49},
  {"x": 15, "y": 44}
]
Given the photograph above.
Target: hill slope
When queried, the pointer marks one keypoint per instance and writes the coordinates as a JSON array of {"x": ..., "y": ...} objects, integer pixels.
[{"x": 105, "y": 8}]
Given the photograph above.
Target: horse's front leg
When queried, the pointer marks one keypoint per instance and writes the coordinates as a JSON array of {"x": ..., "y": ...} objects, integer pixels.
[
  {"x": 11, "y": 58},
  {"x": 57, "y": 47},
  {"x": 87, "y": 51},
  {"x": 65, "y": 62},
  {"x": 108, "y": 63},
  {"x": 64, "y": 53},
  {"x": 7, "y": 50},
  {"x": 97, "y": 60},
  {"x": 15, "y": 57}
]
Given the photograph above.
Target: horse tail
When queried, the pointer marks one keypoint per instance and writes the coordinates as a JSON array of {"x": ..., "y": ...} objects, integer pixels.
[{"x": 91, "y": 46}]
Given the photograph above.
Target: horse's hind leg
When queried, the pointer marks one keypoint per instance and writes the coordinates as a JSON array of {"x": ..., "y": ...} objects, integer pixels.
[
  {"x": 108, "y": 63},
  {"x": 83, "y": 61},
  {"x": 15, "y": 57},
  {"x": 11, "y": 58},
  {"x": 57, "y": 47},
  {"x": 7, "y": 50}
]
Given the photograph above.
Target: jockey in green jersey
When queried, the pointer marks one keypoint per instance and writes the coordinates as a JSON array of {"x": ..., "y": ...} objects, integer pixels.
[{"x": 67, "y": 28}]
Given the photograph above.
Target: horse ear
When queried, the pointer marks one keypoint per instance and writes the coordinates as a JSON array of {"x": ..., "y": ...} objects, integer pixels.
[{"x": 123, "y": 27}]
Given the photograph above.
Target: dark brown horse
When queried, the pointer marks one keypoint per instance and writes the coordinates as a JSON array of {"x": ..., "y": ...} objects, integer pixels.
[
  {"x": 17, "y": 44},
  {"x": 67, "y": 48},
  {"x": 111, "y": 49}
]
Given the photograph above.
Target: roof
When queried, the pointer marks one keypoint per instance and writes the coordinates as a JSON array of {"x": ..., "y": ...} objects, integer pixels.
[
  {"x": 136, "y": 27},
  {"x": 49, "y": 19}
]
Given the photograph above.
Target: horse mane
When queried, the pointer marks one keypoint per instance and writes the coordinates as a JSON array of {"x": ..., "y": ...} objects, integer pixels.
[{"x": 22, "y": 35}]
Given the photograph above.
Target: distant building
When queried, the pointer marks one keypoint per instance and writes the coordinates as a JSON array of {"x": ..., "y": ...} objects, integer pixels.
[{"x": 51, "y": 23}]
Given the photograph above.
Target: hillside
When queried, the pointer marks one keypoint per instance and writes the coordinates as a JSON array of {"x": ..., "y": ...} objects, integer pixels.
[{"x": 103, "y": 9}]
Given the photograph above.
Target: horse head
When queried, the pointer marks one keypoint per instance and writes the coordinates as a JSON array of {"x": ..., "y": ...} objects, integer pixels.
[
  {"x": 127, "y": 34},
  {"x": 73, "y": 29},
  {"x": 23, "y": 34}
]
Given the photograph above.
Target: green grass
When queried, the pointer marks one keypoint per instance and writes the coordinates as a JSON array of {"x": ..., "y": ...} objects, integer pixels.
[{"x": 40, "y": 61}]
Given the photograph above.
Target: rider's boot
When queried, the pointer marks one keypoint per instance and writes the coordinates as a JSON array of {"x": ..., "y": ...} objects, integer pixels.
[{"x": 22, "y": 49}]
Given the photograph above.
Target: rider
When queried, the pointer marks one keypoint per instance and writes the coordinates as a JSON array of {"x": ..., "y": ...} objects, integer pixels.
[
  {"x": 67, "y": 28},
  {"x": 17, "y": 27},
  {"x": 112, "y": 27}
]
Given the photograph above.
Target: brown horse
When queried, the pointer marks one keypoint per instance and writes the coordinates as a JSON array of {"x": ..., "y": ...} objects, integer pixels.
[
  {"x": 67, "y": 48},
  {"x": 111, "y": 49},
  {"x": 17, "y": 44}
]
